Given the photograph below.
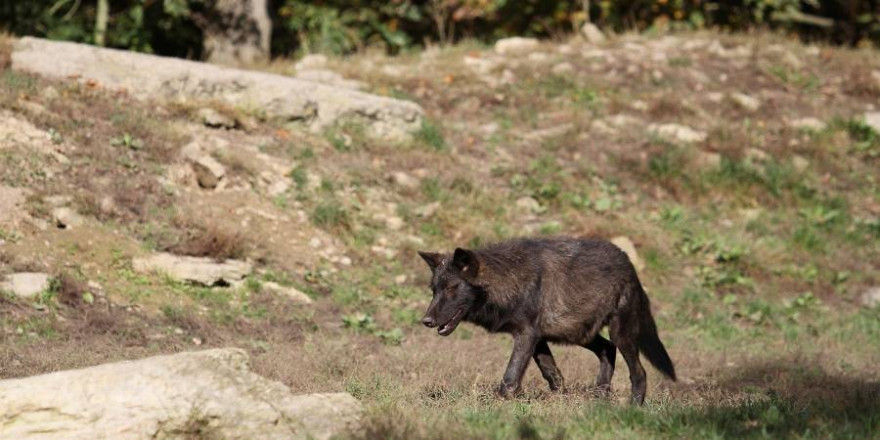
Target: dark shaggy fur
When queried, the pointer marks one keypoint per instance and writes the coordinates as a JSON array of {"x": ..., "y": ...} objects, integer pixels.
[{"x": 559, "y": 290}]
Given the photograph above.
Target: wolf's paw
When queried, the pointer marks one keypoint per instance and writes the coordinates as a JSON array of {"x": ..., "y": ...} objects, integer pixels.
[{"x": 505, "y": 391}]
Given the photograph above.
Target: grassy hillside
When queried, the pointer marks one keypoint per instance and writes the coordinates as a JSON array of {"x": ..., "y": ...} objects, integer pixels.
[{"x": 740, "y": 167}]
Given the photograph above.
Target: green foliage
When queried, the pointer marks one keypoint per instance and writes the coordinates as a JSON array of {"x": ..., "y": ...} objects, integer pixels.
[
  {"x": 175, "y": 27},
  {"x": 164, "y": 27},
  {"x": 331, "y": 214},
  {"x": 431, "y": 136}
]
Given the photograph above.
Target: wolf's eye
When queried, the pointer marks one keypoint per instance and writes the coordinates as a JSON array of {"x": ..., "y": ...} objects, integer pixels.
[{"x": 450, "y": 291}]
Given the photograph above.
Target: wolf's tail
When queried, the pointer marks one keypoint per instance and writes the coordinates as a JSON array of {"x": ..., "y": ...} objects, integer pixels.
[{"x": 649, "y": 342}]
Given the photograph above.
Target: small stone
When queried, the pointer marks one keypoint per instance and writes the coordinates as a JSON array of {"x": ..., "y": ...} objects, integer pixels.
[
  {"x": 750, "y": 214},
  {"x": 529, "y": 204},
  {"x": 428, "y": 210},
  {"x": 538, "y": 57},
  {"x": 208, "y": 171},
  {"x": 639, "y": 105},
  {"x": 812, "y": 124},
  {"x": 516, "y": 46},
  {"x": 755, "y": 155},
  {"x": 25, "y": 284},
  {"x": 294, "y": 294},
  {"x": 746, "y": 102},
  {"x": 345, "y": 261},
  {"x": 400, "y": 279},
  {"x": 715, "y": 97},
  {"x": 602, "y": 127},
  {"x": 800, "y": 163},
  {"x": 627, "y": 246},
  {"x": 394, "y": 223},
  {"x": 67, "y": 218},
  {"x": 214, "y": 119},
  {"x": 871, "y": 297},
  {"x": 873, "y": 120},
  {"x": 311, "y": 62},
  {"x": 278, "y": 187},
  {"x": 50, "y": 93},
  {"x": 403, "y": 179},
  {"x": 562, "y": 68},
  {"x": 676, "y": 133},
  {"x": 592, "y": 34}
]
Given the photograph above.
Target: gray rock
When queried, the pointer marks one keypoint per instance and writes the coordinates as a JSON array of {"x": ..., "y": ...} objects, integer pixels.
[
  {"x": 676, "y": 133},
  {"x": 237, "y": 31},
  {"x": 278, "y": 97},
  {"x": 808, "y": 123},
  {"x": 873, "y": 120},
  {"x": 529, "y": 204},
  {"x": 169, "y": 397},
  {"x": 426, "y": 211},
  {"x": 592, "y": 34},
  {"x": 208, "y": 171},
  {"x": 311, "y": 62},
  {"x": 403, "y": 179},
  {"x": 193, "y": 269},
  {"x": 800, "y": 163},
  {"x": 627, "y": 246},
  {"x": 50, "y": 93},
  {"x": 66, "y": 218},
  {"x": 214, "y": 119},
  {"x": 290, "y": 292},
  {"x": 755, "y": 155},
  {"x": 746, "y": 102},
  {"x": 394, "y": 223},
  {"x": 25, "y": 284},
  {"x": 548, "y": 133},
  {"x": 516, "y": 46},
  {"x": 871, "y": 297}
]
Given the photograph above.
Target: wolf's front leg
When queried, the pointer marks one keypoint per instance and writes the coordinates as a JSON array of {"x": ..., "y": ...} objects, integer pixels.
[{"x": 523, "y": 347}]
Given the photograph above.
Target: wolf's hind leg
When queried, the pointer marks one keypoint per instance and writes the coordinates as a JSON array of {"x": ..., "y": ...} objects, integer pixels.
[
  {"x": 607, "y": 354},
  {"x": 544, "y": 358},
  {"x": 622, "y": 336}
]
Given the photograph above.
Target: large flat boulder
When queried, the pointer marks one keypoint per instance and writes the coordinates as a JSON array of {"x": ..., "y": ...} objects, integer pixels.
[
  {"x": 278, "y": 97},
  {"x": 204, "y": 394},
  {"x": 200, "y": 270},
  {"x": 25, "y": 284}
]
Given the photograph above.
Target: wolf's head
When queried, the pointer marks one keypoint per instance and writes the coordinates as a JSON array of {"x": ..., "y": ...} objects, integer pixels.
[{"x": 452, "y": 283}]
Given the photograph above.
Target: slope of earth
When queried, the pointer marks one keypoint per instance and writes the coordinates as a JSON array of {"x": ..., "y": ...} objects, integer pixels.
[{"x": 743, "y": 168}]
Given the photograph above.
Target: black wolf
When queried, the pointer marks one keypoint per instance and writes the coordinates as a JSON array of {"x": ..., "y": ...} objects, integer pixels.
[{"x": 560, "y": 290}]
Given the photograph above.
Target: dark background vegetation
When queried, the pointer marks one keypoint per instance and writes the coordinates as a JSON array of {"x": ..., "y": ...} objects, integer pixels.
[{"x": 171, "y": 27}]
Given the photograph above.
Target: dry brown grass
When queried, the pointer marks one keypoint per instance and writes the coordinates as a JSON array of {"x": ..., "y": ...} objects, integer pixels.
[{"x": 208, "y": 241}]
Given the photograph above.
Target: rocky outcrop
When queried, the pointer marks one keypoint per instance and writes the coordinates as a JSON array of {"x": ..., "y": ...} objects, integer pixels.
[
  {"x": 194, "y": 269},
  {"x": 25, "y": 284},
  {"x": 275, "y": 96},
  {"x": 204, "y": 394}
]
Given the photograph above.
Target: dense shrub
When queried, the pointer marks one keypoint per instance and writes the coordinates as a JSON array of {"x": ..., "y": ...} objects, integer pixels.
[{"x": 171, "y": 27}]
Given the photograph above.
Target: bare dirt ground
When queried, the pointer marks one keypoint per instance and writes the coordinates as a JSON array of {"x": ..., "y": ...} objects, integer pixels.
[{"x": 742, "y": 168}]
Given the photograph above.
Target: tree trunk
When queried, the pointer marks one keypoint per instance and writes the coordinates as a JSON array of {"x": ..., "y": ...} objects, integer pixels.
[{"x": 101, "y": 21}]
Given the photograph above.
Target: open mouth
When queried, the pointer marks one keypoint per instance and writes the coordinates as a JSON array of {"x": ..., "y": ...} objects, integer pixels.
[{"x": 449, "y": 327}]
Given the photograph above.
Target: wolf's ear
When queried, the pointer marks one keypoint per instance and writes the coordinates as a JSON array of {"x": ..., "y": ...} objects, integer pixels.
[
  {"x": 466, "y": 262},
  {"x": 432, "y": 258}
]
